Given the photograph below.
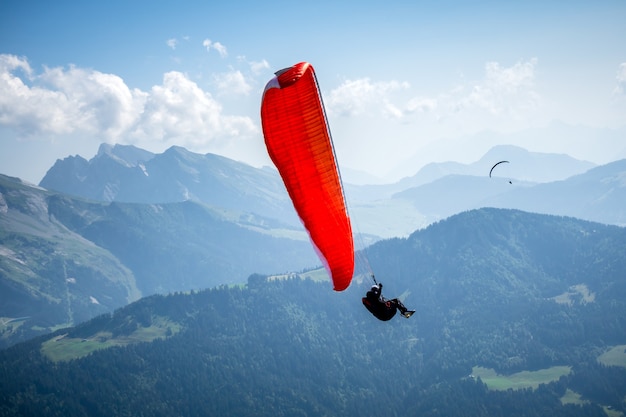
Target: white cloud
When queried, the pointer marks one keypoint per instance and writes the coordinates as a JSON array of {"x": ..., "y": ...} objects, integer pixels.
[
  {"x": 171, "y": 43},
  {"x": 421, "y": 105},
  {"x": 355, "y": 97},
  {"x": 181, "y": 112},
  {"x": 232, "y": 82},
  {"x": 259, "y": 66},
  {"x": 63, "y": 101},
  {"x": 504, "y": 90},
  {"x": 209, "y": 44},
  {"x": 255, "y": 66},
  {"x": 10, "y": 63}
]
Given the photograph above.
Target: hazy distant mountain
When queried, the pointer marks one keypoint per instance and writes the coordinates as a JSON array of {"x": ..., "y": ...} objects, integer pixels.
[
  {"x": 523, "y": 166},
  {"x": 453, "y": 194},
  {"x": 64, "y": 259},
  {"x": 598, "y": 195},
  {"x": 499, "y": 290},
  {"x": 532, "y": 167}
]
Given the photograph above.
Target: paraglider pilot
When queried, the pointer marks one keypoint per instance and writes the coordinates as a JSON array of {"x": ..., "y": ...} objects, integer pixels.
[{"x": 382, "y": 308}]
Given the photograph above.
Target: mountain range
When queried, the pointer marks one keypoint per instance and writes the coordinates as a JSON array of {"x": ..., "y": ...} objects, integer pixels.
[
  {"x": 95, "y": 235},
  {"x": 129, "y": 174}
]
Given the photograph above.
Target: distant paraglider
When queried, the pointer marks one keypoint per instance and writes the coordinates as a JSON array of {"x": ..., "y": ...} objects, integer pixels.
[
  {"x": 497, "y": 163},
  {"x": 299, "y": 143}
]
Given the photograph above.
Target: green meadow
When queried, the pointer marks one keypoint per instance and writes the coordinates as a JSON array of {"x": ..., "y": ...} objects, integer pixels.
[
  {"x": 615, "y": 356},
  {"x": 63, "y": 348},
  {"x": 519, "y": 380}
]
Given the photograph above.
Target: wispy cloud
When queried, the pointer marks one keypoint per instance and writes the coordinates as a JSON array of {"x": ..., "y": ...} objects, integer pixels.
[
  {"x": 258, "y": 66},
  {"x": 62, "y": 101},
  {"x": 620, "y": 89},
  {"x": 171, "y": 43},
  {"x": 502, "y": 92},
  {"x": 421, "y": 105},
  {"x": 232, "y": 82},
  {"x": 355, "y": 97},
  {"x": 9, "y": 63},
  {"x": 209, "y": 44}
]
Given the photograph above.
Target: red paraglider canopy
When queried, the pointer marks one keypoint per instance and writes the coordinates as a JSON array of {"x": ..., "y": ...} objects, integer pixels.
[{"x": 298, "y": 141}]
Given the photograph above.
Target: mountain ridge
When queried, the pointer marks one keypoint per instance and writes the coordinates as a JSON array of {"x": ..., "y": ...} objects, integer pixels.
[{"x": 173, "y": 176}]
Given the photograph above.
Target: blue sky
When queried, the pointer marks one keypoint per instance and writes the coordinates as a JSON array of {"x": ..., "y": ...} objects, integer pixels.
[{"x": 404, "y": 82}]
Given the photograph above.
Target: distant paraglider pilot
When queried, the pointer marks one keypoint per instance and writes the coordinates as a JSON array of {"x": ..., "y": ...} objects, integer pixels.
[{"x": 382, "y": 308}]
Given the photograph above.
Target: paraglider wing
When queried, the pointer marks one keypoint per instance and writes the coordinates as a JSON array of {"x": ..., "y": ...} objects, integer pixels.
[
  {"x": 497, "y": 163},
  {"x": 298, "y": 141}
]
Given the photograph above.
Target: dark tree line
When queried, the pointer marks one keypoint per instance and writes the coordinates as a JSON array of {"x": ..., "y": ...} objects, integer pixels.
[{"x": 280, "y": 348}]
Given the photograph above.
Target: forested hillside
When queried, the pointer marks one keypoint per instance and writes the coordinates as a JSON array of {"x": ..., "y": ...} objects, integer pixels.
[{"x": 501, "y": 296}]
